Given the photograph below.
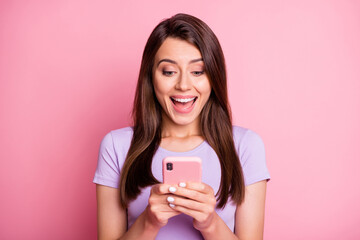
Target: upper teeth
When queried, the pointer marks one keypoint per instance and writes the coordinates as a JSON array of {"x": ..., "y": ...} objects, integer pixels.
[{"x": 184, "y": 100}]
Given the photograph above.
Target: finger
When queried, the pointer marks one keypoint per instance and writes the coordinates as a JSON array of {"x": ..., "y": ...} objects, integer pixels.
[
  {"x": 163, "y": 208},
  {"x": 187, "y": 203},
  {"x": 160, "y": 189},
  {"x": 159, "y": 204},
  {"x": 190, "y": 212},
  {"x": 172, "y": 213},
  {"x": 198, "y": 186},
  {"x": 161, "y": 216},
  {"x": 158, "y": 200},
  {"x": 193, "y": 194}
]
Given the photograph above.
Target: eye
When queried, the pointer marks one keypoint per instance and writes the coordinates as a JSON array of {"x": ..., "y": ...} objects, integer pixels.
[
  {"x": 198, "y": 73},
  {"x": 168, "y": 73}
]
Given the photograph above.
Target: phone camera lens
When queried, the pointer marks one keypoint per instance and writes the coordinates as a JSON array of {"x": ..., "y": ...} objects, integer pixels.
[{"x": 169, "y": 166}]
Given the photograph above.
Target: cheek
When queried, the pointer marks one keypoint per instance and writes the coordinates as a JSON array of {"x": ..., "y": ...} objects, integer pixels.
[
  {"x": 204, "y": 88},
  {"x": 161, "y": 87},
  {"x": 159, "y": 97},
  {"x": 160, "y": 91}
]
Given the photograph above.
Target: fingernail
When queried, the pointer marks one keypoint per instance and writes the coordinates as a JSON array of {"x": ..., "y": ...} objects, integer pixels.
[
  {"x": 171, "y": 205},
  {"x": 170, "y": 199},
  {"x": 172, "y": 189},
  {"x": 182, "y": 184}
]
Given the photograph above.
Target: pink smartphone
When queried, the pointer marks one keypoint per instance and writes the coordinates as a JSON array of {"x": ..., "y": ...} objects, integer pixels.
[{"x": 181, "y": 169}]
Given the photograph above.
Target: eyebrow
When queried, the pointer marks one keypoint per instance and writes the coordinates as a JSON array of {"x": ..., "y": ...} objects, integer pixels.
[{"x": 174, "y": 62}]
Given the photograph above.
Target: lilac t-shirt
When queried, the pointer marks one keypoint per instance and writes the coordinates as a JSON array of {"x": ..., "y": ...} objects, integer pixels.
[{"x": 113, "y": 150}]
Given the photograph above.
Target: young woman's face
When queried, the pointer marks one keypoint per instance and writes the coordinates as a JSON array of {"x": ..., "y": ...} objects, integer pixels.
[{"x": 181, "y": 85}]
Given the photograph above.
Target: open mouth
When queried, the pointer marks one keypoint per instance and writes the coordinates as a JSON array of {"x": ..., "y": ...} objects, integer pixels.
[
  {"x": 183, "y": 105},
  {"x": 185, "y": 102}
]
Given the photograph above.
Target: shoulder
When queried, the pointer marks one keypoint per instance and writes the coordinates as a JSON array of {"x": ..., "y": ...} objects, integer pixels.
[
  {"x": 118, "y": 140},
  {"x": 113, "y": 150},
  {"x": 251, "y": 150},
  {"x": 122, "y": 134},
  {"x": 239, "y": 133},
  {"x": 247, "y": 142},
  {"x": 244, "y": 136}
]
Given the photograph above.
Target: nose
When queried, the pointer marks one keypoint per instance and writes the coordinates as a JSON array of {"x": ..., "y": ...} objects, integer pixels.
[{"x": 184, "y": 82}]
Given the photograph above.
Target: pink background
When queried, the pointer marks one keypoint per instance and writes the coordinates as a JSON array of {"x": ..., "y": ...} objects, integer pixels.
[{"x": 68, "y": 70}]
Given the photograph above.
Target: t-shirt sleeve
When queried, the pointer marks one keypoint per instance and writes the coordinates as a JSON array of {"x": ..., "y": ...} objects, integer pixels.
[
  {"x": 107, "y": 172},
  {"x": 252, "y": 157}
]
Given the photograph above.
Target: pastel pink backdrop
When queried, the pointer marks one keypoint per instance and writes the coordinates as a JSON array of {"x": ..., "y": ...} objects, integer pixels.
[{"x": 68, "y": 71}]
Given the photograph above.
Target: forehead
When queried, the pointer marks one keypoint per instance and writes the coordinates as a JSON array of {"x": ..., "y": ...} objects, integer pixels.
[{"x": 178, "y": 50}]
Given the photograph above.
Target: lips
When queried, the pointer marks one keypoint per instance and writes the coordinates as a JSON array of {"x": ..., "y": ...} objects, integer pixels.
[{"x": 183, "y": 104}]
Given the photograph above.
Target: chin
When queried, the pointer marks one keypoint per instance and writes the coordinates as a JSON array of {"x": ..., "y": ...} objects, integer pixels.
[{"x": 183, "y": 121}]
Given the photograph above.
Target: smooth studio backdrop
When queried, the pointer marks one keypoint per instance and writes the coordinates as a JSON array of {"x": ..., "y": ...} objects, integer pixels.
[{"x": 68, "y": 71}]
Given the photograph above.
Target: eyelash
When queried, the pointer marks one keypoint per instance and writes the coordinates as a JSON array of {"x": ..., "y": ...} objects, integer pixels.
[
  {"x": 200, "y": 73},
  {"x": 168, "y": 73},
  {"x": 171, "y": 73}
]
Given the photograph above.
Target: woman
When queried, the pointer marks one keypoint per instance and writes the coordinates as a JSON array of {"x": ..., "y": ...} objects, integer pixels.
[{"x": 181, "y": 109}]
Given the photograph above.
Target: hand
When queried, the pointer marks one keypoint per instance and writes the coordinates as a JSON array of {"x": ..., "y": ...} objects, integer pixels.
[
  {"x": 196, "y": 200},
  {"x": 158, "y": 210}
]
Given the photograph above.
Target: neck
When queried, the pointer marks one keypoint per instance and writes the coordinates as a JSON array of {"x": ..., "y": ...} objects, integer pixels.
[{"x": 171, "y": 129}]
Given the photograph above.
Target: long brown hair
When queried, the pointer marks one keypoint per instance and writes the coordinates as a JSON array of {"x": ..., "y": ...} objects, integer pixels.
[{"x": 216, "y": 125}]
